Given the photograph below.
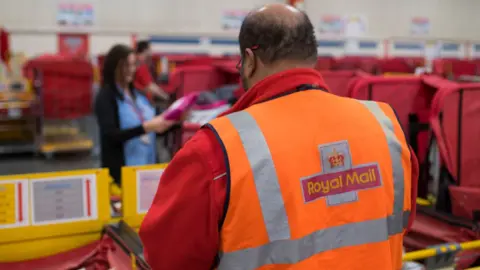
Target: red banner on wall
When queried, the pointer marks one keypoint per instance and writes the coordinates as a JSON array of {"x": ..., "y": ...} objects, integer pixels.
[
  {"x": 4, "y": 45},
  {"x": 73, "y": 44}
]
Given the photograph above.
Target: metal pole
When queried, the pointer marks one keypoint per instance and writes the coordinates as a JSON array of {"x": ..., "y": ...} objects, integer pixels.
[{"x": 439, "y": 250}]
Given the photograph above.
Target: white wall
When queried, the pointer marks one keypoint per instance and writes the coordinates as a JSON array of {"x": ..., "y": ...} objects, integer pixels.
[
  {"x": 33, "y": 23},
  {"x": 449, "y": 19},
  {"x": 175, "y": 16}
]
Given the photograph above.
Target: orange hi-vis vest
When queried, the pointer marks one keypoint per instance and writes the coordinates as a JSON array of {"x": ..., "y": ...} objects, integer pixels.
[{"x": 316, "y": 181}]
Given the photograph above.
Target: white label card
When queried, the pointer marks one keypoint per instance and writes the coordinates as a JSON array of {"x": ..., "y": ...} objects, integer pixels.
[
  {"x": 147, "y": 184},
  {"x": 64, "y": 199}
]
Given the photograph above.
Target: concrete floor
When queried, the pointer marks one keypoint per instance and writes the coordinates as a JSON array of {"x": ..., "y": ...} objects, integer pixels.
[{"x": 29, "y": 163}]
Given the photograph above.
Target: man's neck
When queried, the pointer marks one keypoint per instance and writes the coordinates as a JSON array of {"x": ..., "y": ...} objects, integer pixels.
[
  {"x": 283, "y": 66},
  {"x": 287, "y": 65}
]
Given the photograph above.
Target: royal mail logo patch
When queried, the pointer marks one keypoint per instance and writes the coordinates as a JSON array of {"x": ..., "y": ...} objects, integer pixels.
[
  {"x": 339, "y": 181},
  {"x": 323, "y": 185}
]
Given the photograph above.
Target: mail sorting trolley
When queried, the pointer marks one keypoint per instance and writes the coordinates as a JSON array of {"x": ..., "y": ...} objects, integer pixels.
[
  {"x": 61, "y": 211},
  {"x": 65, "y": 90},
  {"x": 19, "y": 118},
  {"x": 139, "y": 186}
]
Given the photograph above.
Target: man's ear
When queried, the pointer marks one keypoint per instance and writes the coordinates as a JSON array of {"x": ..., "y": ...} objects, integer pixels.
[{"x": 250, "y": 63}]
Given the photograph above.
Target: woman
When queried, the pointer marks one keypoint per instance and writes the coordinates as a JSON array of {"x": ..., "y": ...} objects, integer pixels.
[{"x": 126, "y": 119}]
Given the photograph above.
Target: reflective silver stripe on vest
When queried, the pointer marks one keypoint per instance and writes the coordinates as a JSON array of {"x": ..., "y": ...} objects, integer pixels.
[
  {"x": 291, "y": 251},
  {"x": 396, "y": 222},
  {"x": 296, "y": 250},
  {"x": 264, "y": 174}
]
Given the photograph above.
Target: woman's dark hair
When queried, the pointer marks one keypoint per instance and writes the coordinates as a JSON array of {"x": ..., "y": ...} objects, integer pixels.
[{"x": 117, "y": 54}]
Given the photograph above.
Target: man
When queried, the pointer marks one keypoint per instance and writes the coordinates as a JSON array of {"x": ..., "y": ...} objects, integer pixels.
[
  {"x": 291, "y": 177},
  {"x": 143, "y": 77}
]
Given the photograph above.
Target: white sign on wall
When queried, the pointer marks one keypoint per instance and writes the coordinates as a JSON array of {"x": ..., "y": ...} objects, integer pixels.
[
  {"x": 233, "y": 19},
  {"x": 331, "y": 24},
  {"x": 420, "y": 26},
  {"x": 75, "y": 14}
]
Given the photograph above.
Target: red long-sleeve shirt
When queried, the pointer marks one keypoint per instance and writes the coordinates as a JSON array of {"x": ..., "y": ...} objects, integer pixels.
[
  {"x": 142, "y": 78},
  {"x": 181, "y": 229}
]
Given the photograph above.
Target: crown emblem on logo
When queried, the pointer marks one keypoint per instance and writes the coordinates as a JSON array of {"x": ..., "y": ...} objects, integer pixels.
[{"x": 336, "y": 159}]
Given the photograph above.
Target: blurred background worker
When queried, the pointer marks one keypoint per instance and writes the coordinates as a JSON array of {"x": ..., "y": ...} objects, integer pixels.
[
  {"x": 126, "y": 119},
  {"x": 247, "y": 192},
  {"x": 144, "y": 74}
]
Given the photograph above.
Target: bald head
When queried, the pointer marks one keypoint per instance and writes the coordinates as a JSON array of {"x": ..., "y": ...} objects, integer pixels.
[
  {"x": 279, "y": 32},
  {"x": 279, "y": 13}
]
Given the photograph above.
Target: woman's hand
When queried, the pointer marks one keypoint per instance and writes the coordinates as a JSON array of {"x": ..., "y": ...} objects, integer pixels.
[
  {"x": 158, "y": 124},
  {"x": 185, "y": 115},
  {"x": 163, "y": 95},
  {"x": 158, "y": 92}
]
